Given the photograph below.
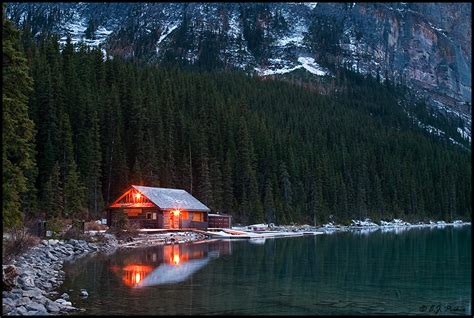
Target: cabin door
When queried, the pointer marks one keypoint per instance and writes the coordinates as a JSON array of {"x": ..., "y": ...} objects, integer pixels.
[{"x": 174, "y": 221}]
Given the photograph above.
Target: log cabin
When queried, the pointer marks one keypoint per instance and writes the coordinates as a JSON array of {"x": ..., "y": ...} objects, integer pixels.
[{"x": 159, "y": 208}]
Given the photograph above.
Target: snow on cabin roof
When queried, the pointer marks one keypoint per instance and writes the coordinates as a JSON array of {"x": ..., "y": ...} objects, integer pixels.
[
  {"x": 217, "y": 214},
  {"x": 166, "y": 198}
]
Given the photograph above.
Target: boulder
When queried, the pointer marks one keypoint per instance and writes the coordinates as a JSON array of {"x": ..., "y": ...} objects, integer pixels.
[
  {"x": 35, "y": 293},
  {"x": 23, "y": 301},
  {"x": 52, "y": 307},
  {"x": 51, "y": 256},
  {"x": 8, "y": 301},
  {"x": 47, "y": 285},
  {"x": 26, "y": 281},
  {"x": 6, "y": 308},
  {"x": 20, "y": 311},
  {"x": 16, "y": 292},
  {"x": 38, "y": 313},
  {"x": 53, "y": 242},
  {"x": 84, "y": 293},
  {"x": 10, "y": 295},
  {"x": 42, "y": 300},
  {"x": 63, "y": 303},
  {"x": 36, "y": 306},
  {"x": 73, "y": 242}
]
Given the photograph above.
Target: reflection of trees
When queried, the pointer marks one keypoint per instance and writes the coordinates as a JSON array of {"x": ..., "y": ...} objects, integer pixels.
[
  {"x": 82, "y": 266},
  {"x": 295, "y": 274}
]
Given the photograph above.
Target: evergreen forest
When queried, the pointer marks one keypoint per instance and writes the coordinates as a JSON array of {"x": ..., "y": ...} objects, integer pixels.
[{"x": 79, "y": 129}]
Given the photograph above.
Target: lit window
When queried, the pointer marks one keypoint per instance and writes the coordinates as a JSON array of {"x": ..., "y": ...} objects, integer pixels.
[{"x": 197, "y": 217}]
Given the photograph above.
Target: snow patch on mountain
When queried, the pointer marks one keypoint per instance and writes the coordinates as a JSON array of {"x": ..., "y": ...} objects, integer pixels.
[
  {"x": 166, "y": 33},
  {"x": 438, "y": 132},
  {"x": 464, "y": 133},
  {"x": 296, "y": 34},
  {"x": 234, "y": 28},
  {"x": 76, "y": 29},
  {"x": 311, "y": 66},
  {"x": 283, "y": 70},
  {"x": 308, "y": 63},
  {"x": 294, "y": 39},
  {"x": 311, "y": 5}
]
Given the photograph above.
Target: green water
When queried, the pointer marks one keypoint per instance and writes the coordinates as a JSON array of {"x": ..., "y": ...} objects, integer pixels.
[{"x": 418, "y": 271}]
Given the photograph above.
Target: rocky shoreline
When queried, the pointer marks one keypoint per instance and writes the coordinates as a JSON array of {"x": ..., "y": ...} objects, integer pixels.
[{"x": 36, "y": 274}]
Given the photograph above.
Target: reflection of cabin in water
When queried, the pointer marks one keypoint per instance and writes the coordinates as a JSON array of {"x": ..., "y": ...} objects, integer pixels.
[
  {"x": 159, "y": 208},
  {"x": 168, "y": 263}
]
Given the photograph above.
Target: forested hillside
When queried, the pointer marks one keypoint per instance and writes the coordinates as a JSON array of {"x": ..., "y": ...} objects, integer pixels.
[{"x": 260, "y": 150}]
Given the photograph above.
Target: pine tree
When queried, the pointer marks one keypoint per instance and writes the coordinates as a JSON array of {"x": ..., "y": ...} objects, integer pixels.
[
  {"x": 268, "y": 203},
  {"x": 90, "y": 160},
  {"x": 18, "y": 154},
  {"x": 74, "y": 198},
  {"x": 228, "y": 188},
  {"x": 187, "y": 170},
  {"x": 216, "y": 184},
  {"x": 204, "y": 188},
  {"x": 313, "y": 200},
  {"x": 136, "y": 177},
  {"x": 286, "y": 191},
  {"x": 54, "y": 200},
  {"x": 169, "y": 168},
  {"x": 74, "y": 201}
]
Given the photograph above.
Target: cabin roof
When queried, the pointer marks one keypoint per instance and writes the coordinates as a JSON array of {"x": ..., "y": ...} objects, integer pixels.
[{"x": 167, "y": 199}]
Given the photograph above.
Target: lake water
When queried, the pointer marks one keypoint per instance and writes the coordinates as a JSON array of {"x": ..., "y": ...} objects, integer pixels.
[{"x": 417, "y": 271}]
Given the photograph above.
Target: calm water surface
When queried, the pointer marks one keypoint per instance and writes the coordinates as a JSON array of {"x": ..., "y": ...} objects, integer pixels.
[{"x": 418, "y": 271}]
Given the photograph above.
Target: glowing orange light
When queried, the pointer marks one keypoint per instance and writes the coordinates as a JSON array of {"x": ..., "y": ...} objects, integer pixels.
[
  {"x": 138, "y": 196},
  {"x": 176, "y": 212},
  {"x": 132, "y": 274},
  {"x": 176, "y": 259}
]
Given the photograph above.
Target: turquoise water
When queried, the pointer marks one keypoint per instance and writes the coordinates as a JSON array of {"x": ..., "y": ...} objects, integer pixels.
[{"x": 418, "y": 271}]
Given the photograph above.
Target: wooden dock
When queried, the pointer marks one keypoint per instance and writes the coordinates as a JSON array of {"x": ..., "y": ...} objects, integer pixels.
[{"x": 217, "y": 233}]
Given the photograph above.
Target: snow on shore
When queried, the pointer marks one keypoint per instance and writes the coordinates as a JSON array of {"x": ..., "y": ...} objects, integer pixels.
[
  {"x": 394, "y": 226},
  {"x": 359, "y": 226}
]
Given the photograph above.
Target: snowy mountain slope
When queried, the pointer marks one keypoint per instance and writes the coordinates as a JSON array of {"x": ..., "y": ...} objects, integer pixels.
[{"x": 425, "y": 46}]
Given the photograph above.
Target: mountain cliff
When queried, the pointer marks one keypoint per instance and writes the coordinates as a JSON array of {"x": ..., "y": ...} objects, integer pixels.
[{"x": 427, "y": 47}]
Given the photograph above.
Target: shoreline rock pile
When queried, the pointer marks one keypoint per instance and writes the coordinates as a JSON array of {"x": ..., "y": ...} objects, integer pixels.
[{"x": 39, "y": 272}]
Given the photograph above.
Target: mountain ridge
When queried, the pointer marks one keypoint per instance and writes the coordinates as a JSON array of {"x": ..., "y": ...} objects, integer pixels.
[{"x": 426, "y": 47}]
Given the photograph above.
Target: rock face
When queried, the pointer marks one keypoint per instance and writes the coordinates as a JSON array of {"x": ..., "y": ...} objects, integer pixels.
[
  {"x": 417, "y": 43},
  {"x": 425, "y": 46}
]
